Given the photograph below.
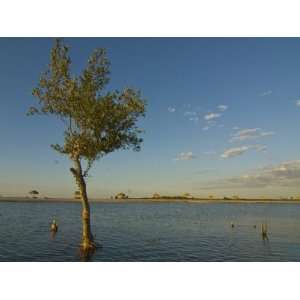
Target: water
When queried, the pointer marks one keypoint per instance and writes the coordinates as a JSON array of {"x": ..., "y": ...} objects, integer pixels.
[{"x": 152, "y": 232}]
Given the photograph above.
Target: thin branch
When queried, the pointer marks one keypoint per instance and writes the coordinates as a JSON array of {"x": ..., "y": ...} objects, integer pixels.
[{"x": 89, "y": 165}]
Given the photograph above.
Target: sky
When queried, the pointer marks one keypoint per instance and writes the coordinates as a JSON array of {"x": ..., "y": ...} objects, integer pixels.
[{"x": 222, "y": 118}]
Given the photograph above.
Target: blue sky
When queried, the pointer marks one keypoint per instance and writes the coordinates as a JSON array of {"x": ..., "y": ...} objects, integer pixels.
[{"x": 222, "y": 118}]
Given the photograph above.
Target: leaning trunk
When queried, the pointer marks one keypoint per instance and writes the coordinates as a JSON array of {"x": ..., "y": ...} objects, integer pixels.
[
  {"x": 87, "y": 238},
  {"x": 87, "y": 243}
]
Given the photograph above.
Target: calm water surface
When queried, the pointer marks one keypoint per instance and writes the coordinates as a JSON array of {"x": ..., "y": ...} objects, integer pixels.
[{"x": 152, "y": 232}]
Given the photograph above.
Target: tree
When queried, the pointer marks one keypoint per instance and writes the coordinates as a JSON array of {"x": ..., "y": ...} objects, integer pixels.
[
  {"x": 34, "y": 193},
  {"x": 121, "y": 196},
  {"x": 96, "y": 121}
]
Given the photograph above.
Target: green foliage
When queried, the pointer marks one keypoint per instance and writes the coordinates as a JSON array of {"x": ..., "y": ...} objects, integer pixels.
[
  {"x": 121, "y": 196},
  {"x": 34, "y": 192},
  {"x": 96, "y": 122}
]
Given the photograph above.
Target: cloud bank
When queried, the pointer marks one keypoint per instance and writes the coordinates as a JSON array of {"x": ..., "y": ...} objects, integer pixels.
[
  {"x": 266, "y": 93},
  {"x": 222, "y": 107},
  {"x": 285, "y": 174},
  {"x": 232, "y": 152},
  {"x": 185, "y": 156},
  {"x": 212, "y": 116},
  {"x": 250, "y": 133},
  {"x": 236, "y": 151}
]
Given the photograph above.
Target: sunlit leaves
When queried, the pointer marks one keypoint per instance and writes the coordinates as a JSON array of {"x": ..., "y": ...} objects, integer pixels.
[{"x": 97, "y": 123}]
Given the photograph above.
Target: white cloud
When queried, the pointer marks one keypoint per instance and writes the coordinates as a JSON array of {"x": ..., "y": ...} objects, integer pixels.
[
  {"x": 185, "y": 156},
  {"x": 234, "y": 151},
  {"x": 266, "y": 93},
  {"x": 267, "y": 133},
  {"x": 212, "y": 116},
  {"x": 241, "y": 150},
  {"x": 250, "y": 133},
  {"x": 205, "y": 128},
  {"x": 285, "y": 174},
  {"x": 298, "y": 103},
  {"x": 245, "y": 134},
  {"x": 171, "y": 109},
  {"x": 222, "y": 107},
  {"x": 235, "y": 128},
  {"x": 189, "y": 113},
  {"x": 187, "y": 105},
  {"x": 260, "y": 148},
  {"x": 194, "y": 119}
]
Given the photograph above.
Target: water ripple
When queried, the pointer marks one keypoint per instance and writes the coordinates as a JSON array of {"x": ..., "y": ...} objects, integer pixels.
[{"x": 151, "y": 232}]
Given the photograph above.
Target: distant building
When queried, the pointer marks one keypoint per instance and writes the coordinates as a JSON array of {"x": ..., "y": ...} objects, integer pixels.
[
  {"x": 187, "y": 195},
  {"x": 156, "y": 196},
  {"x": 121, "y": 196}
]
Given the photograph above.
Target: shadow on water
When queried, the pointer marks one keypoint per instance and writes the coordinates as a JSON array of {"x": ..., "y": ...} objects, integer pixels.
[
  {"x": 265, "y": 239},
  {"x": 53, "y": 234},
  {"x": 86, "y": 255},
  {"x": 267, "y": 246}
]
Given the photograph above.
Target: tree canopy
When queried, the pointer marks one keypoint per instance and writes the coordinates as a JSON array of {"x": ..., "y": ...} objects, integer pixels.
[
  {"x": 97, "y": 122},
  {"x": 34, "y": 192}
]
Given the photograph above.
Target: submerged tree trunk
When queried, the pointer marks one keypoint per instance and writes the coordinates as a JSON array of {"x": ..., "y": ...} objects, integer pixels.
[{"x": 87, "y": 243}]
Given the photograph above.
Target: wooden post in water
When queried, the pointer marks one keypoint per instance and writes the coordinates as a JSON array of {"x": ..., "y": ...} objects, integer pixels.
[{"x": 264, "y": 231}]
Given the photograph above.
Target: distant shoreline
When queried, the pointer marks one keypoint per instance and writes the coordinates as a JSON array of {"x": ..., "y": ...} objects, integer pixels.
[{"x": 146, "y": 200}]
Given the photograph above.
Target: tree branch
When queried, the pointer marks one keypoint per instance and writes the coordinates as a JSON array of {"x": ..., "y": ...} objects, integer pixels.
[{"x": 89, "y": 165}]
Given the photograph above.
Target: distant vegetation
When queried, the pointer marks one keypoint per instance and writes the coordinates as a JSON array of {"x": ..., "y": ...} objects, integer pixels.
[
  {"x": 121, "y": 196},
  {"x": 184, "y": 196},
  {"x": 34, "y": 193}
]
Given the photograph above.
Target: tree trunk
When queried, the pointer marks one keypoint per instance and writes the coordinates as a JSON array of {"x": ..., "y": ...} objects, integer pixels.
[
  {"x": 87, "y": 243},
  {"x": 87, "y": 238}
]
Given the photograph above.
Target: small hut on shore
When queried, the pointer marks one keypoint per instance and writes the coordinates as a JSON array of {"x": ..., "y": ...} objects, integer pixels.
[{"x": 187, "y": 196}]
